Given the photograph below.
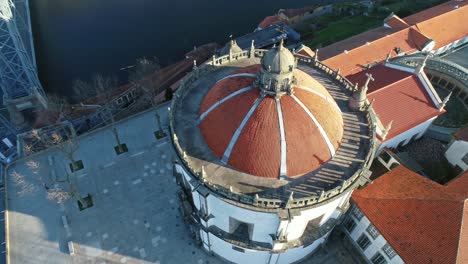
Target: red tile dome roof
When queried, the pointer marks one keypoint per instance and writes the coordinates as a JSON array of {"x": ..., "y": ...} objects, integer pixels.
[{"x": 267, "y": 136}]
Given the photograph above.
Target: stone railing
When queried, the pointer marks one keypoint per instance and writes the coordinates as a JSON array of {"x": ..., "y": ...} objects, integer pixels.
[
  {"x": 336, "y": 74},
  {"x": 436, "y": 64},
  {"x": 266, "y": 201}
]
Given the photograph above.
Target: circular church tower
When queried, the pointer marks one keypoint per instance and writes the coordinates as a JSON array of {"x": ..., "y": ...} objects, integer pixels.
[{"x": 268, "y": 153}]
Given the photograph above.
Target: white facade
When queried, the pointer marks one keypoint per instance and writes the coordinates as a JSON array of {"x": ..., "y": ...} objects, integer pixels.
[
  {"x": 405, "y": 137},
  {"x": 456, "y": 154},
  {"x": 263, "y": 226},
  {"x": 376, "y": 244}
]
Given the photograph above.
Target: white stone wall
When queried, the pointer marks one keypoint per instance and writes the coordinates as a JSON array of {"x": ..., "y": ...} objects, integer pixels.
[
  {"x": 226, "y": 250},
  {"x": 455, "y": 153},
  {"x": 406, "y": 136},
  {"x": 375, "y": 244},
  {"x": 264, "y": 225}
]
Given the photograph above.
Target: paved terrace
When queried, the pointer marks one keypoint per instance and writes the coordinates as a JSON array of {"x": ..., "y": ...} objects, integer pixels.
[
  {"x": 348, "y": 159},
  {"x": 135, "y": 217}
]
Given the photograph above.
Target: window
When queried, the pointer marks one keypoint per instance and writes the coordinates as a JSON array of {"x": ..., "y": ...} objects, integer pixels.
[
  {"x": 373, "y": 231},
  {"x": 389, "y": 251},
  {"x": 465, "y": 158},
  {"x": 363, "y": 242},
  {"x": 238, "y": 249},
  {"x": 350, "y": 224},
  {"x": 357, "y": 213},
  {"x": 378, "y": 259}
]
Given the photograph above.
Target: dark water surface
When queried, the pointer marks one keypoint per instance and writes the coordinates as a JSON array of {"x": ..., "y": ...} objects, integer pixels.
[{"x": 77, "y": 38}]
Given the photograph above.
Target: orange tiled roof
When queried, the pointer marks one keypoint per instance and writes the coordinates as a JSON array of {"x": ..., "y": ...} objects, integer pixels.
[
  {"x": 396, "y": 22},
  {"x": 435, "y": 11},
  {"x": 443, "y": 24},
  {"x": 459, "y": 185},
  {"x": 462, "y": 134},
  {"x": 306, "y": 51},
  {"x": 422, "y": 220},
  {"x": 257, "y": 149},
  {"x": 374, "y": 51},
  {"x": 270, "y": 20},
  {"x": 397, "y": 93}
]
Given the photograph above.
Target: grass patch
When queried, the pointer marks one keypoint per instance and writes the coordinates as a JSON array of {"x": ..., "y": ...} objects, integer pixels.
[
  {"x": 88, "y": 202},
  {"x": 341, "y": 29},
  {"x": 123, "y": 148},
  {"x": 78, "y": 166}
]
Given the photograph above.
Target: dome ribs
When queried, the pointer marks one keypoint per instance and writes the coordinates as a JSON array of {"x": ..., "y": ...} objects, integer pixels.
[
  {"x": 219, "y": 126},
  {"x": 306, "y": 149},
  {"x": 326, "y": 113},
  {"x": 257, "y": 150},
  {"x": 232, "y": 142},
  {"x": 324, "y": 135}
]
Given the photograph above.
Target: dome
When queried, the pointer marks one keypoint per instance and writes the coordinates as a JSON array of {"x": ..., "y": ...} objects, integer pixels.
[
  {"x": 270, "y": 136},
  {"x": 278, "y": 60}
]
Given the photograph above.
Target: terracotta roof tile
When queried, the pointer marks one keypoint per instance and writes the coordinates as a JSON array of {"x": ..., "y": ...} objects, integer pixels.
[
  {"x": 356, "y": 59},
  {"x": 461, "y": 134},
  {"x": 225, "y": 87},
  {"x": 446, "y": 28},
  {"x": 443, "y": 24},
  {"x": 306, "y": 51},
  {"x": 395, "y": 22},
  {"x": 419, "y": 40},
  {"x": 326, "y": 114},
  {"x": 306, "y": 149},
  {"x": 391, "y": 86},
  {"x": 419, "y": 218},
  {"x": 257, "y": 151},
  {"x": 447, "y": 7},
  {"x": 459, "y": 186},
  {"x": 219, "y": 126},
  {"x": 270, "y": 20}
]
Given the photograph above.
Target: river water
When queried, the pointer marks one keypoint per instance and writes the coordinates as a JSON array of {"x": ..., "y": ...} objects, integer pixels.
[{"x": 78, "y": 38}]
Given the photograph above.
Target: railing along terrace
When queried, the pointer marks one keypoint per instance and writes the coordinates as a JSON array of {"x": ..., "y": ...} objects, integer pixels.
[
  {"x": 437, "y": 64},
  {"x": 266, "y": 201}
]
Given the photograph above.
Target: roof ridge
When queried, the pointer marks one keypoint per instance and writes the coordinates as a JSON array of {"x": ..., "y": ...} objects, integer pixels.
[
  {"x": 453, "y": 9},
  {"x": 452, "y": 199}
]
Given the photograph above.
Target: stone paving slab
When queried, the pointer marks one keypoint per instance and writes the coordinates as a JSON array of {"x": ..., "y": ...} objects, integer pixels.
[{"x": 135, "y": 217}]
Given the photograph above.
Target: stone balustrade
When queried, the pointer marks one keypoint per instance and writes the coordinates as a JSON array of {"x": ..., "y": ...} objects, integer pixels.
[{"x": 266, "y": 201}]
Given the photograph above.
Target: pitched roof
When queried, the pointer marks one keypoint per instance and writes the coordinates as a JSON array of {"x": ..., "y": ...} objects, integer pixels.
[
  {"x": 444, "y": 8},
  {"x": 442, "y": 24},
  {"x": 459, "y": 185},
  {"x": 461, "y": 134},
  {"x": 392, "y": 86},
  {"x": 270, "y": 20},
  {"x": 423, "y": 221},
  {"x": 395, "y": 22},
  {"x": 370, "y": 48},
  {"x": 446, "y": 27}
]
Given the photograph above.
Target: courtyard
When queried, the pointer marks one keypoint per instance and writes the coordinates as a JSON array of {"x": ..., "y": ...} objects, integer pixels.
[{"x": 135, "y": 217}]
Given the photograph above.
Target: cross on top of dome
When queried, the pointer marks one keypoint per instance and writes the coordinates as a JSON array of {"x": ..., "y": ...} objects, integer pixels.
[{"x": 276, "y": 74}]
